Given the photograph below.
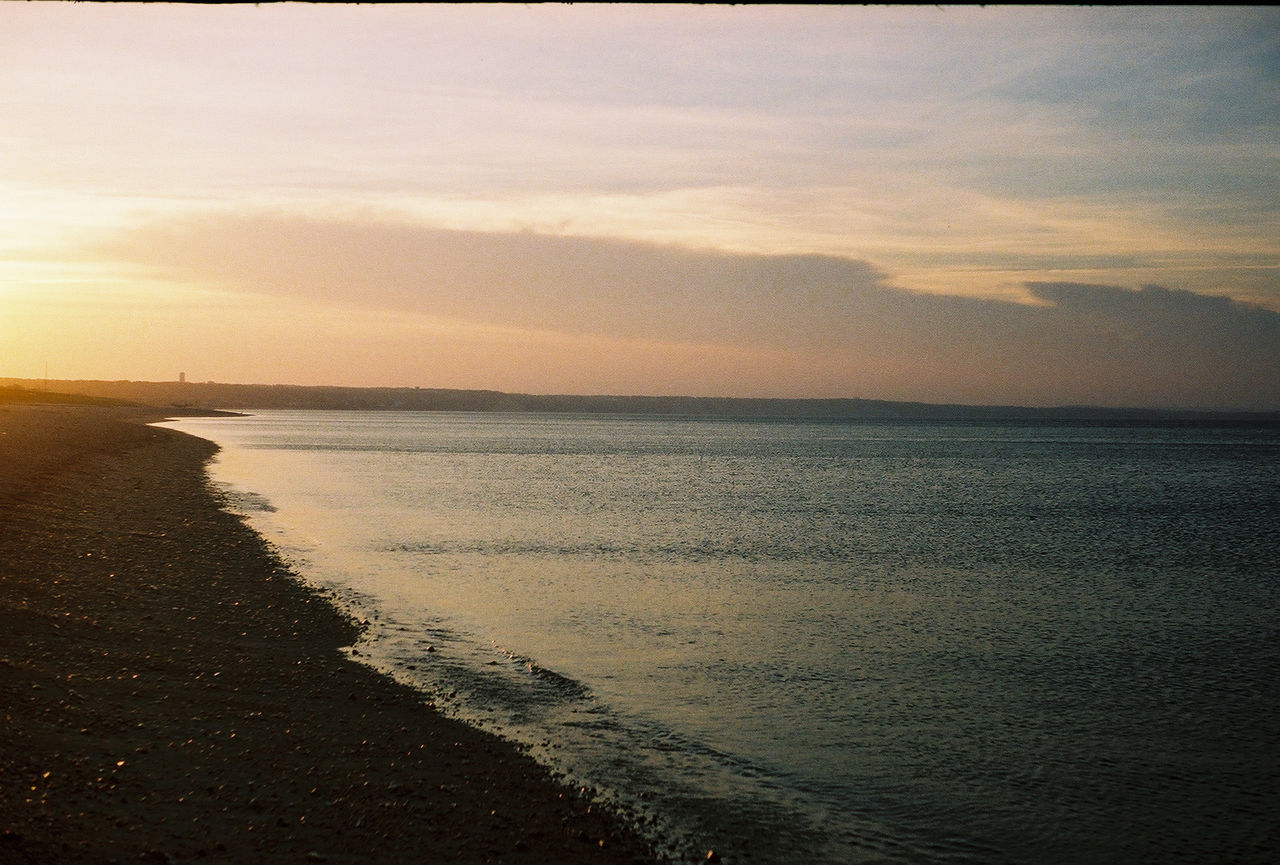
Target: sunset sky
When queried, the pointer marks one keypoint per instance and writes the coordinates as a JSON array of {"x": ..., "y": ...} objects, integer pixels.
[{"x": 982, "y": 205}]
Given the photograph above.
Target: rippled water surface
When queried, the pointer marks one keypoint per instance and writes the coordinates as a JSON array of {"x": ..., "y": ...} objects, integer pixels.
[{"x": 822, "y": 642}]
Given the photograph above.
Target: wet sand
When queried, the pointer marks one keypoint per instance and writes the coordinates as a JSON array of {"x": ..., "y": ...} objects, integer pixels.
[{"x": 172, "y": 694}]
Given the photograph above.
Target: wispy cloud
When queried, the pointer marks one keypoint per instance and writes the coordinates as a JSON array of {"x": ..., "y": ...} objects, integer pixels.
[
  {"x": 782, "y": 183},
  {"x": 895, "y": 118}
]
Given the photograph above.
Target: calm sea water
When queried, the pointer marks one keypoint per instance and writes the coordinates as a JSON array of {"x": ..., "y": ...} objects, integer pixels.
[{"x": 821, "y": 642}]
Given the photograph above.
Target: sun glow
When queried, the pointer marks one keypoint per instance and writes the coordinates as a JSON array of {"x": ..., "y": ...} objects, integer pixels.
[{"x": 774, "y": 200}]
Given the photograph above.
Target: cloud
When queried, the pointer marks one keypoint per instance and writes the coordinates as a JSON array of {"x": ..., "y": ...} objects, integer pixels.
[
  {"x": 1183, "y": 342},
  {"x": 820, "y": 317},
  {"x": 591, "y": 286},
  {"x": 886, "y": 134}
]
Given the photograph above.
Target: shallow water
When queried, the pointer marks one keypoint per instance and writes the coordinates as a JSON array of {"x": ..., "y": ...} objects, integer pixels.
[{"x": 814, "y": 641}]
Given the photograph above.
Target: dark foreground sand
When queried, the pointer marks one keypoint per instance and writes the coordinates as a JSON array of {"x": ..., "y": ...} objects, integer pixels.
[{"x": 171, "y": 694}]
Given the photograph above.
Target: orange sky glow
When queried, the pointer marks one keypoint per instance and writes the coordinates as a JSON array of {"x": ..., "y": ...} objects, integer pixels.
[{"x": 982, "y": 205}]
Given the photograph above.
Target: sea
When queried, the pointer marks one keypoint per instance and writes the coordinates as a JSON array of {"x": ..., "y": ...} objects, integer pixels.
[{"x": 816, "y": 641}]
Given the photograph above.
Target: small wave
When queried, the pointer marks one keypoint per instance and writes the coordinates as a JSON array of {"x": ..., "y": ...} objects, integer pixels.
[
  {"x": 565, "y": 687},
  {"x": 244, "y": 501}
]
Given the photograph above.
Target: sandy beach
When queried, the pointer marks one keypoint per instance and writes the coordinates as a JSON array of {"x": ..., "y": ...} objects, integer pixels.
[{"x": 172, "y": 694}]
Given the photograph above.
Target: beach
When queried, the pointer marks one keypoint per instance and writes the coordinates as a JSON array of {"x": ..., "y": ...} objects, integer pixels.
[{"x": 171, "y": 693}]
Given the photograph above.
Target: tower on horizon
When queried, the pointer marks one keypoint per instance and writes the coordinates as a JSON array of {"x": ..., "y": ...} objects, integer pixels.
[{"x": 182, "y": 378}]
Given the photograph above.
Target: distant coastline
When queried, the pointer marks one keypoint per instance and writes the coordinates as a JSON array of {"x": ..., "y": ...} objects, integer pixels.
[{"x": 190, "y": 395}]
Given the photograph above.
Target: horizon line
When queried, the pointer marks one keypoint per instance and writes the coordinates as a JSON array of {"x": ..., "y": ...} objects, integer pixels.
[{"x": 1112, "y": 410}]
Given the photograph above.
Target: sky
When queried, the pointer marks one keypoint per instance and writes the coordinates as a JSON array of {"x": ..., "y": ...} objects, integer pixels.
[{"x": 995, "y": 205}]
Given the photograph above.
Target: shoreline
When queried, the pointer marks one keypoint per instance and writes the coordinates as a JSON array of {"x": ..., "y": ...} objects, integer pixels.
[{"x": 173, "y": 693}]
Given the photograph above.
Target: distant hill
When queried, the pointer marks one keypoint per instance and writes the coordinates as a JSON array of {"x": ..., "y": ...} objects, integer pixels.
[
  {"x": 216, "y": 395},
  {"x": 18, "y": 394}
]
